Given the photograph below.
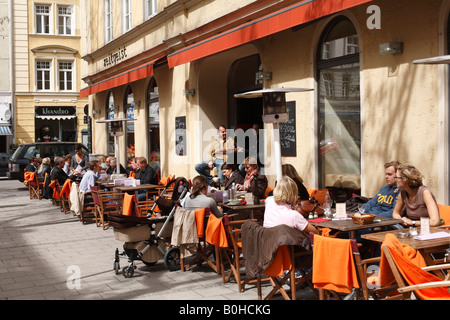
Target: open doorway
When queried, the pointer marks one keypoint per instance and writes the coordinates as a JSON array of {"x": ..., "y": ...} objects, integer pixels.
[{"x": 246, "y": 114}]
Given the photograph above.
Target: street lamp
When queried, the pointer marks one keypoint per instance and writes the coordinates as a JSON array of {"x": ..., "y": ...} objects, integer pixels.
[{"x": 274, "y": 106}]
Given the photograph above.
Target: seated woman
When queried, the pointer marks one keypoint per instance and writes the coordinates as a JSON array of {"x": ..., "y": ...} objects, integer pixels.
[
  {"x": 417, "y": 198},
  {"x": 231, "y": 175},
  {"x": 254, "y": 182},
  {"x": 279, "y": 208},
  {"x": 197, "y": 199}
]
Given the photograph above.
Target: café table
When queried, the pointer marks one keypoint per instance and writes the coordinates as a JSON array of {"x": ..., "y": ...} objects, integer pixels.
[
  {"x": 242, "y": 209},
  {"x": 429, "y": 249},
  {"x": 150, "y": 188},
  {"x": 347, "y": 224}
]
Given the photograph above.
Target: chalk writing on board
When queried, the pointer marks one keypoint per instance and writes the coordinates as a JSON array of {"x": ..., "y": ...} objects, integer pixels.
[{"x": 287, "y": 132}]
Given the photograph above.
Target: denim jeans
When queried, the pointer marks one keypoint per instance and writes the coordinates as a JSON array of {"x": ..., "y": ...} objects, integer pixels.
[{"x": 203, "y": 169}]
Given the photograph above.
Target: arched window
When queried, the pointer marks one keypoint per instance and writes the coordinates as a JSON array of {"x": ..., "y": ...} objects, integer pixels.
[
  {"x": 339, "y": 121},
  {"x": 153, "y": 119},
  {"x": 129, "y": 113},
  {"x": 109, "y": 114}
]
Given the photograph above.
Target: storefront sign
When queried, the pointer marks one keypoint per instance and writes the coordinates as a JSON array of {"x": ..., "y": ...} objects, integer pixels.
[
  {"x": 115, "y": 57},
  {"x": 55, "y": 111}
]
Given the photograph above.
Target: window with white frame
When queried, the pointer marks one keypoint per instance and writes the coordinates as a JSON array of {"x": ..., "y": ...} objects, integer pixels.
[
  {"x": 65, "y": 75},
  {"x": 43, "y": 78},
  {"x": 42, "y": 17},
  {"x": 108, "y": 21},
  {"x": 126, "y": 15},
  {"x": 65, "y": 20},
  {"x": 151, "y": 8}
]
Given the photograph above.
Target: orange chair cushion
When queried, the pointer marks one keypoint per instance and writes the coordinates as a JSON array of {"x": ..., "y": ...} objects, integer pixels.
[
  {"x": 128, "y": 204},
  {"x": 444, "y": 212},
  {"x": 200, "y": 221},
  {"x": 386, "y": 276},
  {"x": 333, "y": 265},
  {"x": 281, "y": 262},
  {"x": 318, "y": 194},
  {"x": 413, "y": 274},
  {"x": 215, "y": 232}
]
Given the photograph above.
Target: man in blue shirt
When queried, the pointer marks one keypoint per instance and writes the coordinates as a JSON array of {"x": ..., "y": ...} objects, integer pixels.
[
  {"x": 90, "y": 177},
  {"x": 384, "y": 201}
]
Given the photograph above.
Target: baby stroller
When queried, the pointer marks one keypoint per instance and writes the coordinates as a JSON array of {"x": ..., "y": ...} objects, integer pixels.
[{"x": 147, "y": 239}]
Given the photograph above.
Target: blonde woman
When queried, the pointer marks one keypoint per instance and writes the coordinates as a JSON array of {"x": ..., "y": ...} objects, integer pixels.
[
  {"x": 279, "y": 208},
  {"x": 415, "y": 197}
]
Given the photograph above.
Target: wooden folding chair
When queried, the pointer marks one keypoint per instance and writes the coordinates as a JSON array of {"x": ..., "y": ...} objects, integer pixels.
[
  {"x": 64, "y": 196},
  {"x": 206, "y": 252},
  {"x": 106, "y": 202},
  {"x": 411, "y": 278},
  {"x": 362, "y": 289},
  {"x": 232, "y": 255},
  {"x": 294, "y": 283},
  {"x": 33, "y": 185}
]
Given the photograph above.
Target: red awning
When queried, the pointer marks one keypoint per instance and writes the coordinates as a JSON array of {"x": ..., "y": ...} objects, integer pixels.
[
  {"x": 143, "y": 71},
  {"x": 289, "y": 17}
]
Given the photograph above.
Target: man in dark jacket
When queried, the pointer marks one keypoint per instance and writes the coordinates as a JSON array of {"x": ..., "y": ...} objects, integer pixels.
[
  {"x": 147, "y": 175},
  {"x": 58, "y": 173},
  {"x": 32, "y": 165}
]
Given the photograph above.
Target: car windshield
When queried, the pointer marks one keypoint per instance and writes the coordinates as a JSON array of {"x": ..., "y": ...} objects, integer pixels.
[{"x": 16, "y": 153}]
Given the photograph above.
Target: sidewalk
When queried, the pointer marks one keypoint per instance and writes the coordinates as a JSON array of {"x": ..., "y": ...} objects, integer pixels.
[{"x": 43, "y": 251}]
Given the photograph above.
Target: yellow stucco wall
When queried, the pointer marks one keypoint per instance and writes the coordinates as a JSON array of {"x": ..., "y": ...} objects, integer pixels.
[{"x": 400, "y": 112}]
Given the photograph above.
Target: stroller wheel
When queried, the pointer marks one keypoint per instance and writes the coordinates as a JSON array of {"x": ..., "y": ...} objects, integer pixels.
[
  {"x": 128, "y": 272},
  {"x": 172, "y": 259}
]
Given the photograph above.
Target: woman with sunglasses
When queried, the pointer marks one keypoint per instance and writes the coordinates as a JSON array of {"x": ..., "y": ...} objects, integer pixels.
[{"x": 415, "y": 197}]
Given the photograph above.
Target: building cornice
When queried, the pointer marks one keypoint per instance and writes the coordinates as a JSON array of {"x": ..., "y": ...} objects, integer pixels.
[{"x": 242, "y": 15}]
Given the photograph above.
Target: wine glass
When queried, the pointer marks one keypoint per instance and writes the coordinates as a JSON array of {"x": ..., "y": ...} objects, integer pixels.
[{"x": 361, "y": 207}]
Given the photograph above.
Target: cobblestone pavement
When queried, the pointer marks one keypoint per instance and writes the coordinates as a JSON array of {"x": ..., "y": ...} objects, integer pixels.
[{"x": 42, "y": 250}]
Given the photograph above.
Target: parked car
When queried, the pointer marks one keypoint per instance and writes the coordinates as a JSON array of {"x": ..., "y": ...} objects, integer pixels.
[
  {"x": 4, "y": 159},
  {"x": 24, "y": 152}
]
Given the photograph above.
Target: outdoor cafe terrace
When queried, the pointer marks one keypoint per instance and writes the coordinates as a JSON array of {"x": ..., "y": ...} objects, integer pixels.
[{"x": 372, "y": 259}]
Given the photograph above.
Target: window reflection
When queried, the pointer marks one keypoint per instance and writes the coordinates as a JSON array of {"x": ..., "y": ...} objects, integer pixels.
[{"x": 339, "y": 107}]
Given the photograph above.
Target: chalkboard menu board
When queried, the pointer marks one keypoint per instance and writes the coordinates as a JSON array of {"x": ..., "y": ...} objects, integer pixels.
[
  {"x": 180, "y": 136},
  {"x": 287, "y": 132}
]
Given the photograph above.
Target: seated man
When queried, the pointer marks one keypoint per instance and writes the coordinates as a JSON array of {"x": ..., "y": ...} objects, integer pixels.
[
  {"x": 58, "y": 173},
  {"x": 218, "y": 152},
  {"x": 89, "y": 179},
  {"x": 147, "y": 175},
  {"x": 384, "y": 202},
  {"x": 113, "y": 166}
]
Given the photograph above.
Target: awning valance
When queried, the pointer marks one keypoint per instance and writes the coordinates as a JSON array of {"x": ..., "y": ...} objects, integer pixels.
[
  {"x": 295, "y": 15},
  {"x": 5, "y": 131},
  {"x": 143, "y": 71},
  {"x": 56, "y": 117}
]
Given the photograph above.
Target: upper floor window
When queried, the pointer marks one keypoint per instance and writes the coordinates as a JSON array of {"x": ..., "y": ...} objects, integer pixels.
[
  {"x": 65, "y": 74},
  {"x": 42, "y": 16},
  {"x": 127, "y": 21},
  {"x": 43, "y": 75},
  {"x": 65, "y": 20},
  {"x": 108, "y": 21},
  {"x": 150, "y": 8}
]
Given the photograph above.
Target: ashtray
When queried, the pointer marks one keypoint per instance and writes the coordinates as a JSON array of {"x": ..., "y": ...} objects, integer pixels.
[
  {"x": 403, "y": 234},
  {"x": 234, "y": 202}
]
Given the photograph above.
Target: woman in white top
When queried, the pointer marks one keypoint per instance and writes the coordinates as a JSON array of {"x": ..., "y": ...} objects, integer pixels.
[
  {"x": 279, "y": 208},
  {"x": 198, "y": 199}
]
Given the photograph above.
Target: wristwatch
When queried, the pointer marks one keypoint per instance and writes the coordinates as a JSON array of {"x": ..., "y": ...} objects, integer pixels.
[{"x": 414, "y": 223}]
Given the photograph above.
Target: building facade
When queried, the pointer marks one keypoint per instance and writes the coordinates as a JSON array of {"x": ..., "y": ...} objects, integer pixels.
[
  {"x": 175, "y": 67},
  {"x": 6, "y": 137},
  {"x": 48, "y": 40}
]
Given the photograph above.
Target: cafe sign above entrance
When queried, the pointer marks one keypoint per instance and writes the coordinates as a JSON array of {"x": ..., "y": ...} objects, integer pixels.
[{"x": 56, "y": 113}]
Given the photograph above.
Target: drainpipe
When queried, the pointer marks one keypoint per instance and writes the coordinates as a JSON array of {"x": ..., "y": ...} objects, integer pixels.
[{"x": 13, "y": 77}]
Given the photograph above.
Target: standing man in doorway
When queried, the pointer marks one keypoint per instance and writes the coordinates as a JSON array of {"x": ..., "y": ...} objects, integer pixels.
[{"x": 218, "y": 152}]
